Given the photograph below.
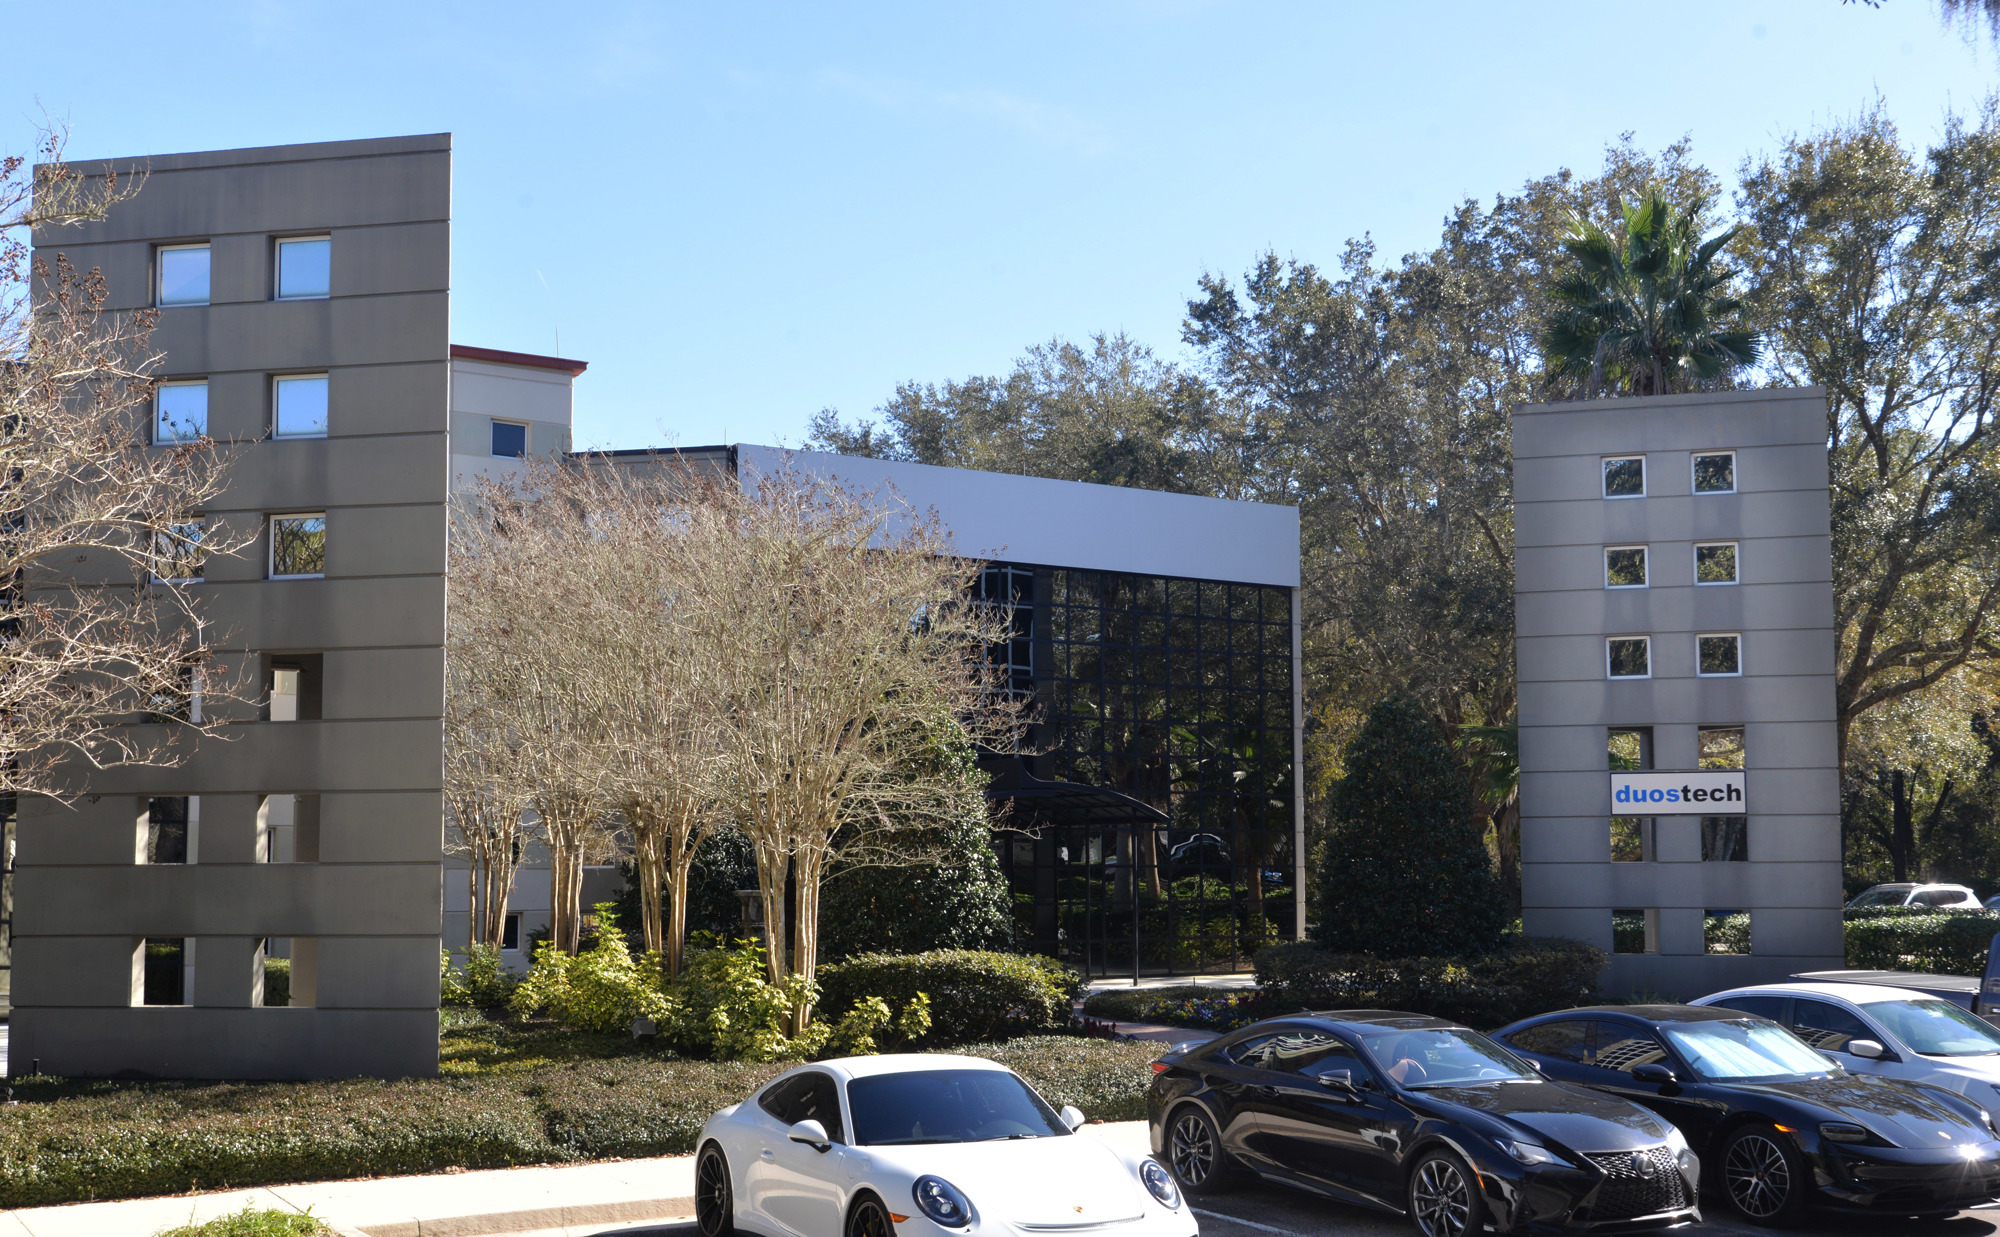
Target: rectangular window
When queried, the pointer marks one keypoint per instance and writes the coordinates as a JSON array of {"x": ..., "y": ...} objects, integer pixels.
[
  {"x": 1625, "y": 566},
  {"x": 169, "y": 829},
  {"x": 298, "y": 546},
  {"x": 1726, "y": 932},
  {"x": 1629, "y": 657},
  {"x": 305, "y": 268},
  {"x": 167, "y": 963},
  {"x": 299, "y": 406},
  {"x": 1719, "y": 656},
  {"x": 177, "y": 556},
  {"x": 183, "y": 275},
  {"x": 1715, "y": 472},
  {"x": 1715, "y": 562},
  {"x": 1725, "y": 839},
  {"x": 1631, "y": 836},
  {"x": 180, "y": 411},
  {"x": 1634, "y": 931},
  {"x": 175, "y": 700},
  {"x": 510, "y": 440},
  {"x": 292, "y": 686},
  {"x": 1625, "y": 476},
  {"x": 510, "y": 934},
  {"x": 1721, "y": 747}
]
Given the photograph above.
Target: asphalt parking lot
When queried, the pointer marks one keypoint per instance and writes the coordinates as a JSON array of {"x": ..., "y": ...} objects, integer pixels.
[{"x": 1259, "y": 1211}]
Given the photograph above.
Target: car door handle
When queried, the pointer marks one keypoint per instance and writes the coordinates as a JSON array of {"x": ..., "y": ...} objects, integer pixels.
[
  {"x": 1265, "y": 1089},
  {"x": 768, "y": 1154}
]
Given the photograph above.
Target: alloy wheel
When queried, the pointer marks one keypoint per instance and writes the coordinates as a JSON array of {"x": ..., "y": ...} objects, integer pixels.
[
  {"x": 1758, "y": 1176},
  {"x": 1439, "y": 1200},
  {"x": 1193, "y": 1150},
  {"x": 869, "y": 1220},
  {"x": 711, "y": 1195}
]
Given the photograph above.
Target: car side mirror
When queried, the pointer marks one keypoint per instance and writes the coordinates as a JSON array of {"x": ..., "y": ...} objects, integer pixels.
[
  {"x": 1338, "y": 1080},
  {"x": 812, "y": 1134},
  {"x": 1869, "y": 1048},
  {"x": 1653, "y": 1071},
  {"x": 1072, "y": 1116}
]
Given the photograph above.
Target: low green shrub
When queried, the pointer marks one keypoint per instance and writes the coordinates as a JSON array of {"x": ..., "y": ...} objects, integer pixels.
[
  {"x": 532, "y": 1095},
  {"x": 277, "y": 981},
  {"x": 1524, "y": 977},
  {"x": 1937, "y": 943},
  {"x": 481, "y": 981},
  {"x": 973, "y": 995},
  {"x": 248, "y": 1223},
  {"x": 1138, "y": 1004}
]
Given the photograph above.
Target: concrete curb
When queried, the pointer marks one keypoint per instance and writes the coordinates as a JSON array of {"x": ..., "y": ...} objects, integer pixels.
[{"x": 631, "y": 1212}]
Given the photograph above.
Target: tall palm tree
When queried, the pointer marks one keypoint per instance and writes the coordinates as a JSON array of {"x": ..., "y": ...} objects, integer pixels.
[{"x": 1649, "y": 312}]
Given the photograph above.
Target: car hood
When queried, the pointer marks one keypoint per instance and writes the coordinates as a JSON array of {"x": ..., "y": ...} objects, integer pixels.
[
  {"x": 1055, "y": 1181},
  {"x": 1909, "y": 1116},
  {"x": 1578, "y": 1119}
]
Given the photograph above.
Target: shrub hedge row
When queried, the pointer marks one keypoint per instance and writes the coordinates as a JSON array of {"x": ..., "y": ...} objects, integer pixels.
[
  {"x": 74, "y": 1141},
  {"x": 974, "y": 995},
  {"x": 1526, "y": 977},
  {"x": 1937, "y": 943}
]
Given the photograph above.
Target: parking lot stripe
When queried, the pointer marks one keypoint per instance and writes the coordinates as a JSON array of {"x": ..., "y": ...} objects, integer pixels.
[{"x": 1262, "y": 1228}]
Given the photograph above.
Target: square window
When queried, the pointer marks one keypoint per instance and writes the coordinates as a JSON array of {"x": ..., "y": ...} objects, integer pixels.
[
  {"x": 1720, "y": 656},
  {"x": 1725, "y": 839},
  {"x": 1631, "y": 839},
  {"x": 510, "y": 440},
  {"x": 183, "y": 275},
  {"x": 1629, "y": 657},
  {"x": 180, "y": 411},
  {"x": 1721, "y": 747},
  {"x": 177, "y": 556},
  {"x": 1625, "y": 476},
  {"x": 1715, "y": 563},
  {"x": 298, "y": 546},
  {"x": 1625, "y": 567},
  {"x": 299, "y": 406},
  {"x": 305, "y": 268},
  {"x": 1632, "y": 931},
  {"x": 1715, "y": 472},
  {"x": 1726, "y": 932}
]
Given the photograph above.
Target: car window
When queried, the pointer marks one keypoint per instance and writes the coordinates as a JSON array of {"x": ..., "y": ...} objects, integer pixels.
[
  {"x": 1444, "y": 1057},
  {"x": 1937, "y": 1028},
  {"x": 811, "y": 1096},
  {"x": 1311, "y": 1053},
  {"x": 1772, "y": 1007},
  {"x": 1933, "y": 897},
  {"x": 1826, "y": 1026},
  {"x": 1569, "y": 1040},
  {"x": 948, "y": 1106},
  {"x": 1879, "y": 897},
  {"x": 1623, "y": 1047},
  {"x": 1254, "y": 1053}
]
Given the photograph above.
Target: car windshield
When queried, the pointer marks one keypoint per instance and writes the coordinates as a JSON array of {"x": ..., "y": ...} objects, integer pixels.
[
  {"x": 948, "y": 1106},
  {"x": 1936, "y": 1028},
  {"x": 1445, "y": 1057},
  {"x": 1745, "y": 1049},
  {"x": 1881, "y": 897}
]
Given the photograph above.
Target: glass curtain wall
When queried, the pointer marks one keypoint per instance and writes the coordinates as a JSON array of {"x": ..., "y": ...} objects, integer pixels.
[{"x": 1177, "y": 693}]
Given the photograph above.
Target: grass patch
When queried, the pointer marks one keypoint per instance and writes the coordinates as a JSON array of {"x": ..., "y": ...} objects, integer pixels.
[
  {"x": 248, "y": 1223},
  {"x": 510, "y": 1095}
]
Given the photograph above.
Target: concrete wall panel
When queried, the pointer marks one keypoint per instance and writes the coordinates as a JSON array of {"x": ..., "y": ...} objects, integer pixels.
[
  {"x": 275, "y": 1044},
  {"x": 385, "y": 541},
  {"x": 318, "y": 614},
  {"x": 390, "y": 400},
  {"x": 314, "y": 473},
  {"x": 381, "y": 827},
  {"x": 379, "y": 972},
  {"x": 391, "y": 258},
  {"x": 375, "y": 683},
  {"x": 89, "y": 971},
  {"x": 270, "y": 899}
]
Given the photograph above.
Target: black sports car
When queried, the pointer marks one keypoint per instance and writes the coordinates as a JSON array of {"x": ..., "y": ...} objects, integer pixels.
[
  {"x": 1781, "y": 1126},
  {"x": 1417, "y": 1115}
]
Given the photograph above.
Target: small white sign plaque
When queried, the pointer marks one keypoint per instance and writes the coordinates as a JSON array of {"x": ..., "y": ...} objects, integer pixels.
[{"x": 1711, "y": 792}]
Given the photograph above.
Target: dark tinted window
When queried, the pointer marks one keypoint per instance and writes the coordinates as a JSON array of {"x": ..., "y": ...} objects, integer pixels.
[
  {"x": 1254, "y": 1052},
  {"x": 1772, "y": 1007},
  {"x": 510, "y": 441},
  {"x": 1622, "y": 1047},
  {"x": 811, "y": 1096},
  {"x": 1311, "y": 1053},
  {"x": 947, "y": 1106},
  {"x": 1566, "y": 1041},
  {"x": 1826, "y": 1026}
]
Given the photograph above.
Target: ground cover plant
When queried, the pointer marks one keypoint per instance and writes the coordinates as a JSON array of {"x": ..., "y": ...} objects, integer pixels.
[
  {"x": 510, "y": 1094},
  {"x": 248, "y": 1223}
]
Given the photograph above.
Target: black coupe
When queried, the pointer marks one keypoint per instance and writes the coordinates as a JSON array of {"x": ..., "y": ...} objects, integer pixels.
[
  {"x": 1780, "y": 1125},
  {"x": 1418, "y": 1115}
]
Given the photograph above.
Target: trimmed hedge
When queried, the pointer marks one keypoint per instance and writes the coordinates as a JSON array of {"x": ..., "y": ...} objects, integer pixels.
[
  {"x": 74, "y": 1141},
  {"x": 1937, "y": 943},
  {"x": 974, "y": 995},
  {"x": 1185, "y": 1005},
  {"x": 1526, "y": 977}
]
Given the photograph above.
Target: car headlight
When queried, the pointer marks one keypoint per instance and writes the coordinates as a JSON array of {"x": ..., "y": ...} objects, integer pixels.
[
  {"x": 941, "y": 1201},
  {"x": 1529, "y": 1153},
  {"x": 1160, "y": 1183}
]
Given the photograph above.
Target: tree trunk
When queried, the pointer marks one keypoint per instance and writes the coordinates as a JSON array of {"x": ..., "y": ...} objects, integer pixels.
[
  {"x": 1507, "y": 842},
  {"x": 774, "y": 869},
  {"x": 807, "y": 868},
  {"x": 1903, "y": 842}
]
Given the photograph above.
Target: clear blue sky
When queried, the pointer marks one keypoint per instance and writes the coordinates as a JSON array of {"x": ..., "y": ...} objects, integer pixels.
[{"x": 741, "y": 213}]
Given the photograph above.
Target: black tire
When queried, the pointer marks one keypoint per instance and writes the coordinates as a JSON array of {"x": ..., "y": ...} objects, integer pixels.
[
  {"x": 1763, "y": 1177},
  {"x": 869, "y": 1218},
  {"x": 714, "y": 1198},
  {"x": 1195, "y": 1154},
  {"x": 1444, "y": 1197}
]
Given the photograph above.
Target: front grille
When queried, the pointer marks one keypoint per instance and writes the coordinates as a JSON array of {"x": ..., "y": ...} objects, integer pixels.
[{"x": 1638, "y": 1183}]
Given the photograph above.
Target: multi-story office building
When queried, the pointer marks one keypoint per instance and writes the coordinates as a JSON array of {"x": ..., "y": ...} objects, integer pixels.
[{"x": 1674, "y": 614}]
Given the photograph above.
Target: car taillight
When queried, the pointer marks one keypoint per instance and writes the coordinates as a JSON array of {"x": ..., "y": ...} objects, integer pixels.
[{"x": 1161, "y": 1067}]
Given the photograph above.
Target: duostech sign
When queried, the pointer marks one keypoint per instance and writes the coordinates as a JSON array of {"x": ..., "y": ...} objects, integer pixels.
[{"x": 1710, "y": 792}]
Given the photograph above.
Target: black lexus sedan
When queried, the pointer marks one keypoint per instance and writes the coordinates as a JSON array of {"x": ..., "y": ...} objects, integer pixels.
[
  {"x": 1780, "y": 1127},
  {"x": 1416, "y": 1115}
]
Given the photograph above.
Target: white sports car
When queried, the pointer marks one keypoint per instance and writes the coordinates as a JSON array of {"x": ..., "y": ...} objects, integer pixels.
[{"x": 912, "y": 1145}]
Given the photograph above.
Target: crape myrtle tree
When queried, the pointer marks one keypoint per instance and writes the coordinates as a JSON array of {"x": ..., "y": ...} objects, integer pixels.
[
  {"x": 1403, "y": 868},
  {"x": 102, "y": 529},
  {"x": 487, "y": 794}
]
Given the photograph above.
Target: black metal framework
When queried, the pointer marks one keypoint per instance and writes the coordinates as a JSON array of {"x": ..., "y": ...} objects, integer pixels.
[{"x": 1177, "y": 693}]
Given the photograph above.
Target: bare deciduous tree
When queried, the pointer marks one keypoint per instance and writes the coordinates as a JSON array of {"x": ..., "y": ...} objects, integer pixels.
[
  {"x": 485, "y": 788},
  {"x": 102, "y": 528}
]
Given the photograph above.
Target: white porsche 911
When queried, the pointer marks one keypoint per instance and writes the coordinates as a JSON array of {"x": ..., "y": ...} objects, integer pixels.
[{"x": 912, "y": 1145}]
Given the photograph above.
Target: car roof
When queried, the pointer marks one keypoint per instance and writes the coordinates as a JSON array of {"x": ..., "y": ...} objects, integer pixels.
[
  {"x": 1379, "y": 1019},
  {"x": 1890, "y": 885},
  {"x": 1652, "y": 1013},
  {"x": 1859, "y": 994},
  {"x": 904, "y": 1063}
]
